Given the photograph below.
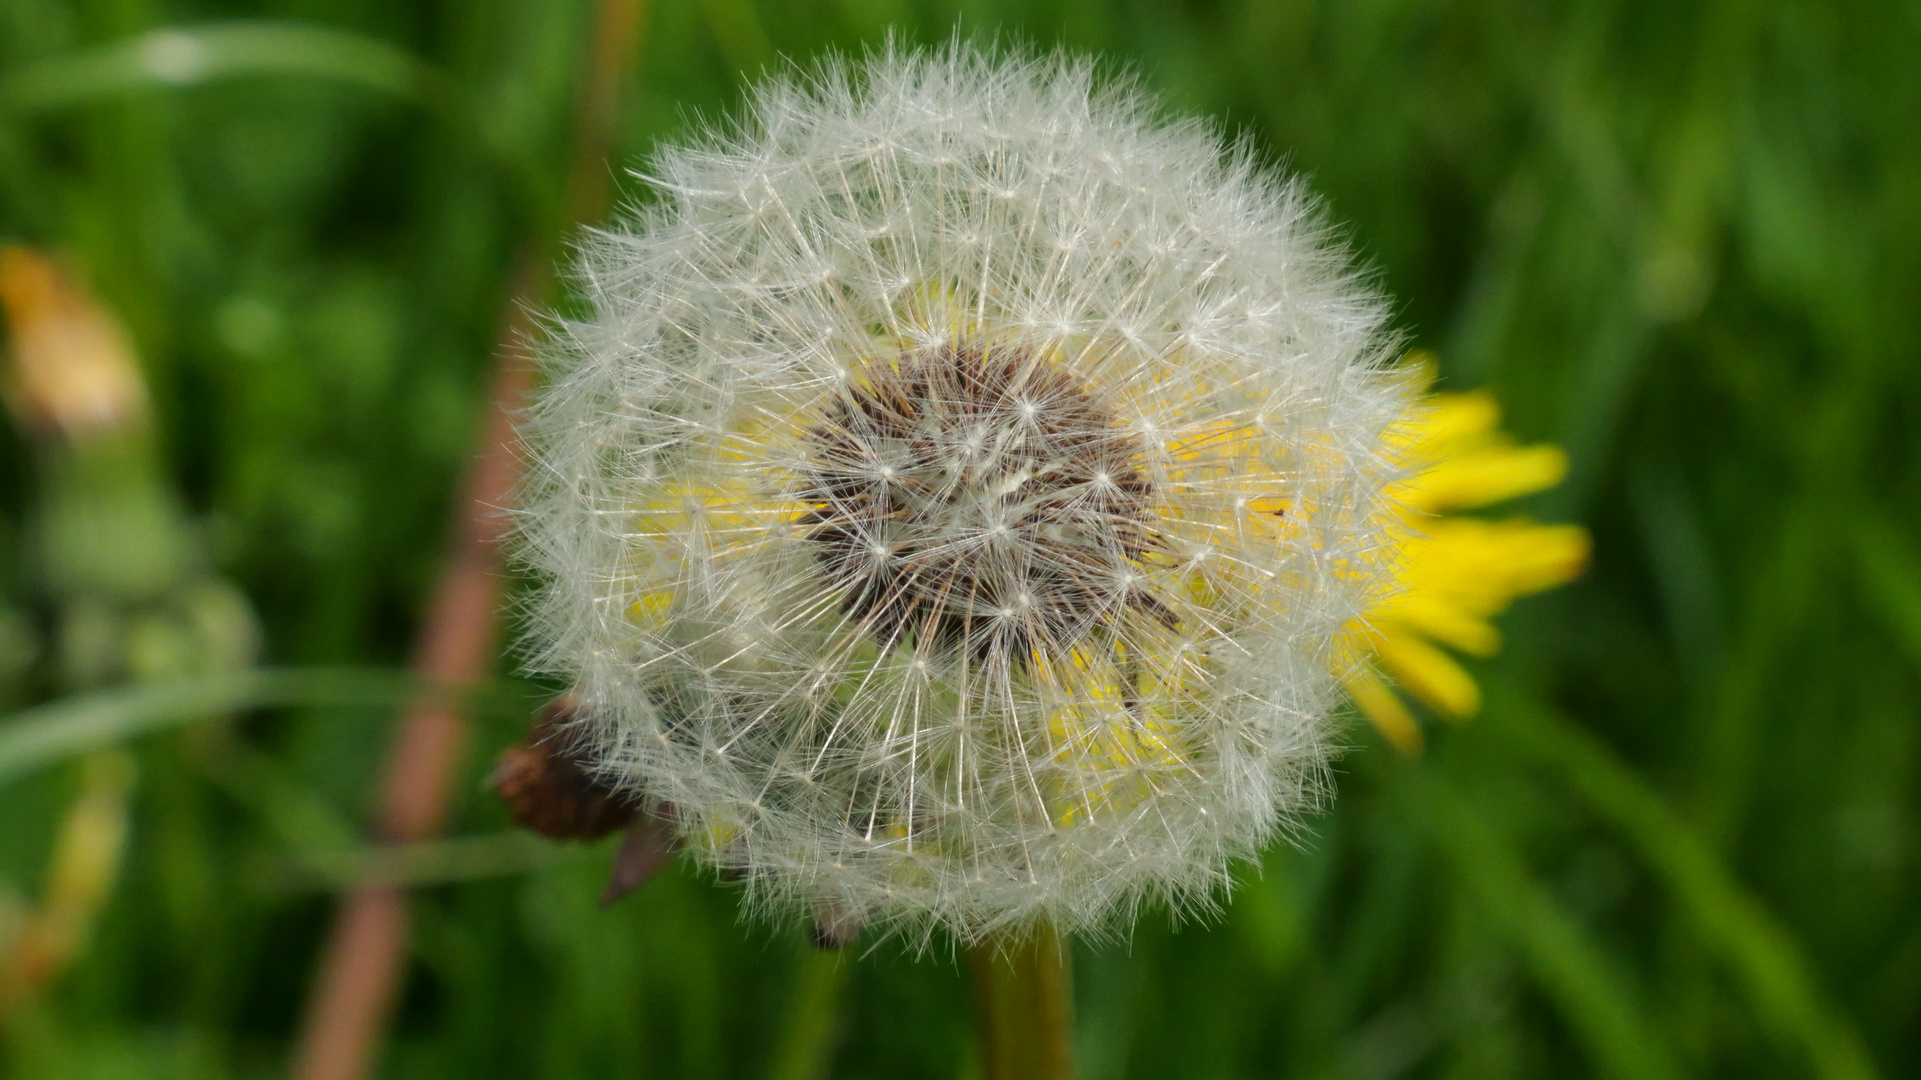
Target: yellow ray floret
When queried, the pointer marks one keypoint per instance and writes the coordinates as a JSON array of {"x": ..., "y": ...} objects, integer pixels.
[
  {"x": 1114, "y": 727},
  {"x": 1455, "y": 574}
]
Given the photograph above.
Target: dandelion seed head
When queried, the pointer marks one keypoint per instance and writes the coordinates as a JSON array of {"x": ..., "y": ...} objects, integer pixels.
[{"x": 953, "y": 498}]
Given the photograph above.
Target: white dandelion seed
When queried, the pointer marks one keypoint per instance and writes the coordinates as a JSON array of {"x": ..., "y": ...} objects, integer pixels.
[{"x": 952, "y": 501}]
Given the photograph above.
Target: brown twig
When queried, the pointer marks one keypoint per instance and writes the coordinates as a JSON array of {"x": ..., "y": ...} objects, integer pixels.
[{"x": 359, "y": 971}]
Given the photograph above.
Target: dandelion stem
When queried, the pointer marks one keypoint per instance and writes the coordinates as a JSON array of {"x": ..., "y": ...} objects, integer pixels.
[{"x": 1024, "y": 1006}]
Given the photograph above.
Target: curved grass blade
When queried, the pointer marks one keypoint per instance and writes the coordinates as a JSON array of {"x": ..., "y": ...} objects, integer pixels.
[
  {"x": 187, "y": 56},
  {"x": 1890, "y": 579},
  {"x": 40, "y": 736},
  {"x": 1730, "y": 920},
  {"x": 180, "y": 56},
  {"x": 1570, "y": 966},
  {"x": 427, "y": 862}
]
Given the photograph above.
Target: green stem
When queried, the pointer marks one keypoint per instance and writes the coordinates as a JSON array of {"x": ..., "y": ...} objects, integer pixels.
[{"x": 1024, "y": 1006}]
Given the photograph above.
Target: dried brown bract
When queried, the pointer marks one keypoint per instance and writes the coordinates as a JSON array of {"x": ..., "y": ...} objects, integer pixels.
[{"x": 547, "y": 791}]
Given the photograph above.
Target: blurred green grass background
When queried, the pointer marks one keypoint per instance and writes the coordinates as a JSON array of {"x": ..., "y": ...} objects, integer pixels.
[{"x": 1682, "y": 241}]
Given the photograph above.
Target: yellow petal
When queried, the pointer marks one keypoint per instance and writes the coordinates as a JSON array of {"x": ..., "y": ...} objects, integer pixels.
[
  {"x": 1484, "y": 477},
  {"x": 1432, "y": 615},
  {"x": 1544, "y": 556},
  {"x": 72, "y": 369},
  {"x": 1484, "y": 565},
  {"x": 1454, "y": 422},
  {"x": 1109, "y": 740},
  {"x": 86, "y": 860},
  {"x": 1431, "y": 675},
  {"x": 1421, "y": 367},
  {"x": 651, "y": 609},
  {"x": 1383, "y": 709}
]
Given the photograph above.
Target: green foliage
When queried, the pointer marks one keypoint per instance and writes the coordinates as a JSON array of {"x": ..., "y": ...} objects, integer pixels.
[{"x": 1683, "y": 241}]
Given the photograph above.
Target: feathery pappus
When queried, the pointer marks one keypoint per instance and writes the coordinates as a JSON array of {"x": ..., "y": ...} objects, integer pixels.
[{"x": 952, "y": 502}]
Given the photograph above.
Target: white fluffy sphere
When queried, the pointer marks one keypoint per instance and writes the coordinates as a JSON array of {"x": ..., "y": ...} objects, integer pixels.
[{"x": 952, "y": 501}]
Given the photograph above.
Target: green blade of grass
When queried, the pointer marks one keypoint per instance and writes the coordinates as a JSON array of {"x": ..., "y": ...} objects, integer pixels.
[
  {"x": 180, "y": 56},
  {"x": 1891, "y": 580},
  {"x": 1730, "y": 920},
  {"x": 186, "y": 56},
  {"x": 428, "y": 862},
  {"x": 1570, "y": 966},
  {"x": 41, "y": 736}
]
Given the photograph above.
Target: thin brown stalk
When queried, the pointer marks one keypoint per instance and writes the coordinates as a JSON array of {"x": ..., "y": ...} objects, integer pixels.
[{"x": 359, "y": 971}]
